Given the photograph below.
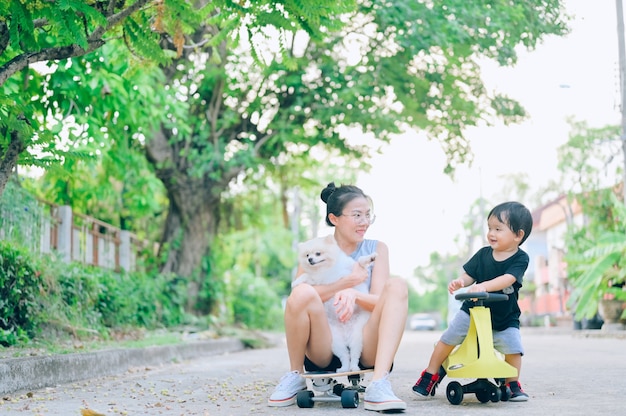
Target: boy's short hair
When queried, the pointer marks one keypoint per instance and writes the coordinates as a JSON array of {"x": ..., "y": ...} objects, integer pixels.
[{"x": 515, "y": 215}]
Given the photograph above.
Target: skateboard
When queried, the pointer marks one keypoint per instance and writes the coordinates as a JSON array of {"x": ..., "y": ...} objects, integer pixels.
[
  {"x": 476, "y": 357},
  {"x": 329, "y": 390}
]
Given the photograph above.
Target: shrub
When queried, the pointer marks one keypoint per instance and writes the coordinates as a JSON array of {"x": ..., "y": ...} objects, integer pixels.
[
  {"x": 255, "y": 303},
  {"x": 20, "y": 283}
]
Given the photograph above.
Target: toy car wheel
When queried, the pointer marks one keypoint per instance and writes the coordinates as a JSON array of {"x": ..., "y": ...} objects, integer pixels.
[
  {"x": 483, "y": 396},
  {"x": 496, "y": 394},
  {"x": 454, "y": 392},
  {"x": 349, "y": 399},
  {"x": 304, "y": 399},
  {"x": 505, "y": 393}
]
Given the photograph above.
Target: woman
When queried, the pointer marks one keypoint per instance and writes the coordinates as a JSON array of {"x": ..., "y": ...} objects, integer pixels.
[{"x": 308, "y": 334}]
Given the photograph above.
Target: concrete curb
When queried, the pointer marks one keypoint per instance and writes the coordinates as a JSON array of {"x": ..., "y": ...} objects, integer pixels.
[{"x": 31, "y": 373}]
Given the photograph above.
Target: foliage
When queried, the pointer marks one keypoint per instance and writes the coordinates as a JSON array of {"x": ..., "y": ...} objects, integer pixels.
[
  {"x": 48, "y": 32},
  {"x": 383, "y": 73},
  {"x": 433, "y": 281},
  {"x": 21, "y": 216},
  {"x": 590, "y": 167},
  {"x": 154, "y": 31},
  {"x": 253, "y": 267},
  {"x": 46, "y": 297},
  {"x": 20, "y": 286},
  {"x": 596, "y": 254},
  {"x": 227, "y": 104},
  {"x": 95, "y": 300},
  {"x": 255, "y": 303},
  {"x": 589, "y": 161}
]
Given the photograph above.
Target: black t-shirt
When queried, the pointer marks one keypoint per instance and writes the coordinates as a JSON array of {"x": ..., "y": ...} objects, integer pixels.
[{"x": 483, "y": 267}]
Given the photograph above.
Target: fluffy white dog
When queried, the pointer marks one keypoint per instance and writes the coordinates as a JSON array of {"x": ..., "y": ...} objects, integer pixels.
[{"x": 323, "y": 262}]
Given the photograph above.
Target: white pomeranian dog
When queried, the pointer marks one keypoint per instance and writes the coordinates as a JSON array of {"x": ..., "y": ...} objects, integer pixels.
[{"x": 323, "y": 262}]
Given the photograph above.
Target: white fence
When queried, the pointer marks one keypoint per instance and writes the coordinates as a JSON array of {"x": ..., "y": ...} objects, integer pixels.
[{"x": 48, "y": 228}]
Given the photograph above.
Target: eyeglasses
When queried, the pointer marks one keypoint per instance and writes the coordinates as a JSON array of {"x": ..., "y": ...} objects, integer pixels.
[{"x": 360, "y": 218}]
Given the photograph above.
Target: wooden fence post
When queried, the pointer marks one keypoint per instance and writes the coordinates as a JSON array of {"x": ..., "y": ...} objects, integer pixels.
[
  {"x": 125, "y": 251},
  {"x": 65, "y": 233}
]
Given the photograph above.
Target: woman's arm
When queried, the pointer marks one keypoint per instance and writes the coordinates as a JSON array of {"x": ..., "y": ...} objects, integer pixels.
[
  {"x": 358, "y": 275},
  {"x": 380, "y": 274}
]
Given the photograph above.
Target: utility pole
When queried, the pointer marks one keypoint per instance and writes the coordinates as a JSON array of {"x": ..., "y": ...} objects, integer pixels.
[{"x": 622, "y": 79}]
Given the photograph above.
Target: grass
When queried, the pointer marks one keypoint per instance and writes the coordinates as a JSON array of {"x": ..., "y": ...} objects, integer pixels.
[{"x": 137, "y": 338}]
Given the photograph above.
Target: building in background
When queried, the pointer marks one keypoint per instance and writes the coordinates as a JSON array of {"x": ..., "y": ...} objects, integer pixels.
[{"x": 546, "y": 290}]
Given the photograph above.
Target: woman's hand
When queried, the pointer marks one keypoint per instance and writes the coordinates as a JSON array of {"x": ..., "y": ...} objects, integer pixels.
[
  {"x": 359, "y": 275},
  {"x": 345, "y": 301}
]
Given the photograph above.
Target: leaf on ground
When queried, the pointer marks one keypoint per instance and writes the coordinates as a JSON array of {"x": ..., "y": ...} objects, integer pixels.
[{"x": 89, "y": 412}]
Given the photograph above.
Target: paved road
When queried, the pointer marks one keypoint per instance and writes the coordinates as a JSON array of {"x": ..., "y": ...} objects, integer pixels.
[{"x": 564, "y": 372}]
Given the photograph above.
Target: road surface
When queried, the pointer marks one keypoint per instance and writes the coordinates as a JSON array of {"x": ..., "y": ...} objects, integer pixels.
[{"x": 564, "y": 372}]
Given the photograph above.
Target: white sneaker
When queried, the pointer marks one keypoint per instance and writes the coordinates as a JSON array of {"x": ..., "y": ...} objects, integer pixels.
[
  {"x": 287, "y": 389},
  {"x": 380, "y": 397}
]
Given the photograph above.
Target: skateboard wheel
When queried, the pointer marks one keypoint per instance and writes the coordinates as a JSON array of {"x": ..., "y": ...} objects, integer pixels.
[
  {"x": 338, "y": 389},
  {"x": 350, "y": 399},
  {"x": 304, "y": 399}
]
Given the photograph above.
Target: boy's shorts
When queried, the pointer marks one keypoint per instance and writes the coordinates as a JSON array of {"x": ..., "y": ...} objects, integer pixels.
[{"x": 508, "y": 341}]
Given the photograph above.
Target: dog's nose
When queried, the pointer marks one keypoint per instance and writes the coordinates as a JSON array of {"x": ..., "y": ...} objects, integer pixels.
[{"x": 311, "y": 261}]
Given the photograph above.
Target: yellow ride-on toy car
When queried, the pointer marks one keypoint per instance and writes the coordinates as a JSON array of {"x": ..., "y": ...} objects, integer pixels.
[{"x": 476, "y": 357}]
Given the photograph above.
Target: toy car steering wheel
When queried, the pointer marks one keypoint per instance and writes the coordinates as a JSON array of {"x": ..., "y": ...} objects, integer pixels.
[{"x": 481, "y": 297}]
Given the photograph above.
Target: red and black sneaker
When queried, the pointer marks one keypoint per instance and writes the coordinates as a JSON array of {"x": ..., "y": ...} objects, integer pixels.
[
  {"x": 427, "y": 383},
  {"x": 516, "y": 394}
]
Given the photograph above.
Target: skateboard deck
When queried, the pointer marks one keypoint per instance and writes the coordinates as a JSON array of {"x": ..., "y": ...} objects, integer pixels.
[
  {"x": 329, "y": 390},
  {"x": 326, "y": 374}
]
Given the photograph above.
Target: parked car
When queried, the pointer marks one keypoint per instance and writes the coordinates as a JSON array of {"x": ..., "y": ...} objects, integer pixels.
[{"x": 422, "y": 322}]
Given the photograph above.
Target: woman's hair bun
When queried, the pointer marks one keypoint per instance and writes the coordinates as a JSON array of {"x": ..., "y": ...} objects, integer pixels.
[{"x": 328, "y": 191}]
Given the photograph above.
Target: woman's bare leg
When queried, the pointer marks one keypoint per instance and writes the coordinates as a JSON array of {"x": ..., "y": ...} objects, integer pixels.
[
  {"x": 306, "y": 328},
  {"x": 383, "y": 332}
]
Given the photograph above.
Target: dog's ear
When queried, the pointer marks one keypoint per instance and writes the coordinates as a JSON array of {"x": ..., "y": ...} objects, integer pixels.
[{"x": 330, "y": 239}]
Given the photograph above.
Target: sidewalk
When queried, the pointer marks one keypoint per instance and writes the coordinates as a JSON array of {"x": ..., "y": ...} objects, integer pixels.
[{"x": 31, "y": 373}]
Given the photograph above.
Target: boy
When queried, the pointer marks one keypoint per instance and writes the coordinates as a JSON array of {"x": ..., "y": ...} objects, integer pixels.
[{"x": 497, "y": 268}]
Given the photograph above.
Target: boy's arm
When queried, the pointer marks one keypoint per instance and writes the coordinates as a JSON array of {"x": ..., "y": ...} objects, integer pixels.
[
  {"x": 493, "y": 285},
  {"x": 463, "y": 281}
]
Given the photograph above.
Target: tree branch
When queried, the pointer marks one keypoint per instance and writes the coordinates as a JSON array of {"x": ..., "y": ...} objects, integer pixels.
[
  {"x": 4, "y": 37},
  {"x": 95, "y": 41},
  {"x": 117, "y": 18},
  {"x": 9, "y": 160},
  {"x": 22, "y": 61}
]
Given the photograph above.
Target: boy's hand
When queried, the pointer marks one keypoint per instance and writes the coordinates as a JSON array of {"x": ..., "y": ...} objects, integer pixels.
[
  {"x": 479, "y": 287},
  {"x": 455, "y": 285}
]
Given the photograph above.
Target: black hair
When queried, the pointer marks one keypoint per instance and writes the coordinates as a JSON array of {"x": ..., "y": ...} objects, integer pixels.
[
  {"x": 337, "y": 198},
  {"x": 515, "y": 215}
]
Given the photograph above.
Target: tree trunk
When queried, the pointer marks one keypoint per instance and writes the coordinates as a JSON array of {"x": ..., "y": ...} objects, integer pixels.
[
  {"x": 191, "y": 222},
  {"x": 9, "y": 159}
]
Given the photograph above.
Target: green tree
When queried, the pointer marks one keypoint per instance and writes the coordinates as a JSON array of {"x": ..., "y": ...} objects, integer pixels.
[
  {"x": 416, "y": 67},
  {"x": 214, "y": 114},
  {"x": 51, "y": 32},
  {"x": 591, "y": 170},
  {"x": 433, "y": 280}
]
